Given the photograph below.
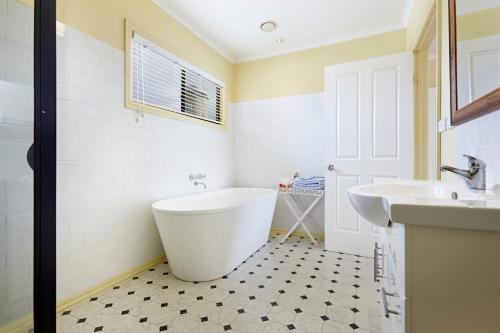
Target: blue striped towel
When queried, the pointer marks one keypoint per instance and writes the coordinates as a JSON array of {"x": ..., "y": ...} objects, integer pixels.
[{"x": 311, "y": 183}]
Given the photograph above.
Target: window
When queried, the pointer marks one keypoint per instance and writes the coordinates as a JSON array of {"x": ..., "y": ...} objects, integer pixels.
[{"x": 166, "y": 85}]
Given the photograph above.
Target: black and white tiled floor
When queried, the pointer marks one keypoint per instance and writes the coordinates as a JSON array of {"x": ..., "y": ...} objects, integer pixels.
[{"x": 294, "y": 287}]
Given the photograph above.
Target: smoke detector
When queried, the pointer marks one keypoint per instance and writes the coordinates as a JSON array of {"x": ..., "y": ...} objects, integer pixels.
[{"x": 269, "y": 26}]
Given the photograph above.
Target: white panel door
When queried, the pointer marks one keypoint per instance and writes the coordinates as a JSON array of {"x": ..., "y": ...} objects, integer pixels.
[
  {"x": 369, "y": 139},
  {"x": 478, "y": 63}
]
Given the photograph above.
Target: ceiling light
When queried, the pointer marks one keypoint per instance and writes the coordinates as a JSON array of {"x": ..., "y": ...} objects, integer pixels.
[
  {"x": 280, "y": 40},
  {"x": 268, "y": 26}
]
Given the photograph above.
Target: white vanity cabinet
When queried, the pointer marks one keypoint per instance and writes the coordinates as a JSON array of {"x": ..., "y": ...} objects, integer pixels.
[
  {"x": 438, "y": 261},
  {"x": 438, "y": 280},
  {"x": 389, "y": 271}
]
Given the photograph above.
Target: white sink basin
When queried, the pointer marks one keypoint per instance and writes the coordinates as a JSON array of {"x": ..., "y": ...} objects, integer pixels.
[{"x": 428, "y": 203}]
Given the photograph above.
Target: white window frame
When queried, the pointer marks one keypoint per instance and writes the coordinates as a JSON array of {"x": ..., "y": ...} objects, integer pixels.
[{"x": 130, "y": 29}]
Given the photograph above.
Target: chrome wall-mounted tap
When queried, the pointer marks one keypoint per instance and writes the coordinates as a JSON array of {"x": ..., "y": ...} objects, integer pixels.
[
  {"x": 196, "y": 179},
  {"x": 197, "y": 176},
  {"x": 196, "y": 183},
  {"x": 474, "y": 177}
]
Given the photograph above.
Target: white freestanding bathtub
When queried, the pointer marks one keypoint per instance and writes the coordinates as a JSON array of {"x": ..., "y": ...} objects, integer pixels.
[{"x": 207, "y": 235}]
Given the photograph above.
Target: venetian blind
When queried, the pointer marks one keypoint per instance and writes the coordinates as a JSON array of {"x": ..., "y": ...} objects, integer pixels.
[{"x": 160, "y": 80}]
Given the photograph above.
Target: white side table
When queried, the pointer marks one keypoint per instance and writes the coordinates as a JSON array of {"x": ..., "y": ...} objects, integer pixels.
[{"x": 300, "y": 212}]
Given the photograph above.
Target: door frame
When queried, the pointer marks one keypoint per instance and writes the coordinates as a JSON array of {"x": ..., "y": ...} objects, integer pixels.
[
  {"x": 429, "y": 31},
  {"x": 44, "y": 277}
]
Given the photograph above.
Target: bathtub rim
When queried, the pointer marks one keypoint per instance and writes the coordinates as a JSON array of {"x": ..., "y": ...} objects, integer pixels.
[{"x": 213, "y": 210}]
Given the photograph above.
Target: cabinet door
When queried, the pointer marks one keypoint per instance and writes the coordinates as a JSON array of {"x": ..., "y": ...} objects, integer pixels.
[
  {"x": 392, "y": 296},
  {"x": 395, "y": 251}
]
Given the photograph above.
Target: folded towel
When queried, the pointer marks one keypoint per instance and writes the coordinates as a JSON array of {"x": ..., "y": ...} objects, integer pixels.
[
  {"x": 305, "y": 178},
  {"x": 308, "y": 184},
  {"x": 315, "y": 180},
  {"x": 317, "y": 187},
  {"x": 312, "y": 181},
  {"x": 309, "y": 178}
]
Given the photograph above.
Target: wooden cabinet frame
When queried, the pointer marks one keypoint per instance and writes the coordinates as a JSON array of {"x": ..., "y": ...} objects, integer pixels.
[{"x": 481, "y": 106}]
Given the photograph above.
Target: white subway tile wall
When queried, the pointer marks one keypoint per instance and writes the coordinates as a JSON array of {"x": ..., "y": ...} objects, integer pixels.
[
  {"x": 275, "y": 138},
  {"x": 112, "y": 167},
  {"x": 16, "y": 178},
  {"x": 481, "y": 138}
]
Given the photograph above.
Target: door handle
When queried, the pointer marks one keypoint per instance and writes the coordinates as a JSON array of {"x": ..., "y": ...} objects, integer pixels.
[
  {"x": 30, "y": 156},
  {"x": 331, "y": 167}
]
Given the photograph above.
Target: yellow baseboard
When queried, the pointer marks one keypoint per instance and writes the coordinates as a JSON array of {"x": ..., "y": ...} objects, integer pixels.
[
  {"x": 30, "y": 3},
  {"x": 282, "y": 231},
  {"x": 86, "y": 294},
  {"x": 21, "y": 325},
  {"x": 73, "y": 300}
]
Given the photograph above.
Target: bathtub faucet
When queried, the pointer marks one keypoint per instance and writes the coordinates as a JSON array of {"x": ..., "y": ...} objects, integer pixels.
[
  {"x": 196, "y": 183},
  {"x": 197, "y": 177}
]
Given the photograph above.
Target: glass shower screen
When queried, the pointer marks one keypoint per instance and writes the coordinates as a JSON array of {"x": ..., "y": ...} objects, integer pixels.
[{"x": 16, "y": 176}]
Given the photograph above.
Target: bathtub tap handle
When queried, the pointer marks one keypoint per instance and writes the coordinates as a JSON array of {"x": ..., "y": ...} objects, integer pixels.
[
  {"x": 196, "y": 183},
  {"x": 198, "y": 176}
]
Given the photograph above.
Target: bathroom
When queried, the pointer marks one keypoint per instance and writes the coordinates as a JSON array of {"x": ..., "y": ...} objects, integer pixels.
[{"x": 235, "y": 166}]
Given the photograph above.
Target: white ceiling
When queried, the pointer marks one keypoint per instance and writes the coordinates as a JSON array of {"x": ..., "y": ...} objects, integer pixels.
[{"x": 232, "y": 26}]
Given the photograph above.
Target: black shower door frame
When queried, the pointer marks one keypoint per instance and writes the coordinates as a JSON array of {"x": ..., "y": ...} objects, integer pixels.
[{"x": 44, "y": 162}]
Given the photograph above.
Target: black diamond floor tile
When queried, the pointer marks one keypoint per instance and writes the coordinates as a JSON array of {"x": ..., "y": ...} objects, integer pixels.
[{"x": 292, "y": 276}]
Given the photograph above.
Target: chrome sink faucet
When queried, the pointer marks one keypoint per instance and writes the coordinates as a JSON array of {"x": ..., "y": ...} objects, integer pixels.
[
  {"x": 196, "y": 179},
  {"x": 474, "y": 177}
]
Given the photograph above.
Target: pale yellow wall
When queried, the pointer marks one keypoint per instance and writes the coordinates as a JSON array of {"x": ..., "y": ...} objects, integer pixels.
[
  {"x": 302, "y": 72},
  {"x": 286, "y": 75},
  {"x": 105, "y": 20},
  {"x": 478, "y": 24}
]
